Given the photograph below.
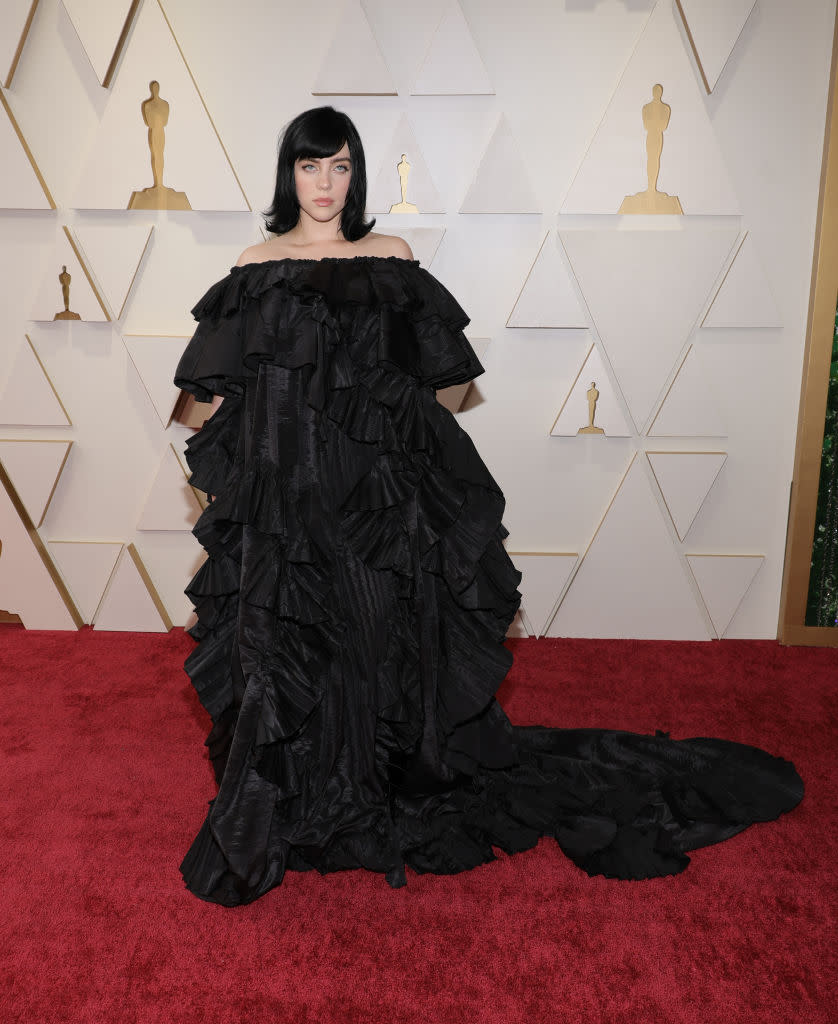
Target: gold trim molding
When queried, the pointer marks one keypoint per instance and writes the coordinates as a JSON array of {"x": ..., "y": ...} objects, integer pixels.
[{"x": 817, "y": 357}]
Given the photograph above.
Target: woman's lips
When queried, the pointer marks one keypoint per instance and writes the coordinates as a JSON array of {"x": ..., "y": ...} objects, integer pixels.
[{"x": 324, "y": 202}]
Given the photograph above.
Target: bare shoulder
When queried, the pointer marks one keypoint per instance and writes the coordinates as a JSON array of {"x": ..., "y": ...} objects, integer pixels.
[
  {"x": 387, "y": 245},
  {"x": 260, "y": 253}
]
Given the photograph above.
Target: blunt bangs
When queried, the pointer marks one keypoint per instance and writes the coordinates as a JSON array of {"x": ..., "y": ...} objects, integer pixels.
[{"x": 318, "y": 133}]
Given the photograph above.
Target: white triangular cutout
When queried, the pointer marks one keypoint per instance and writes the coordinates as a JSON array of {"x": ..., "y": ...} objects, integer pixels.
[
  {"x": 548, "y": 297},
  {"x": 423, "y": 242},
  {"x": 130, "y": 602},
  {"x": 544, "y": 577},
  {"x": 155, "y": 360},
  {"x": 713, "y": 27},
  {"x": 421, "y": 190},
  {"x": 501, "y": 184},
  {"x": 353, "y": 65},
  {"x": 29, "y": 399},
  {"x": 645, "y": 290},
  {"x": 102, "y": 29},
  {"x": 744, "y": 298},
  {"x": 171, "y": 503},
  {"x": 691, "y": 166},
  {"x": 15, "y": 20},
  {"x": 118, "y": 170},
  {"x": 685, "y": 479},
  {"x": 86, "y": 567},
  {"x": 689, "y": 408},
  {"x": 453, "y": 396},
  {"x": 723, "y": 581},
  {"x": 452, "y": 65},
  {"x": 26, "y": 588},
  {"x": 575, "y": 413},
  {"x": 34, "y": 468},
  {"x": 631, "y": 582},
  {"x": 21, "y": 184},
  {"x": 114, "y": 253},
  {"x": 65, "y": 268}
]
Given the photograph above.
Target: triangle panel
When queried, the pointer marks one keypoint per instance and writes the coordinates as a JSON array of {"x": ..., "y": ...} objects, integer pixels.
[
  {"x": 713, "y": 27},
  {"x": 420, "y": 190},
  {"x": 575, "y": 414},
  {"x": 354, "y": 64},
  {"x": 15, "y": 21},
  {"x": 690, "y": 408},
  {"x": 171, "y": 503},
  {"x": 155, "y": 360},
  {"x": 28, "y": 398},
  {"x": 744, "y": 298},
  {"x": 500, "y": 184},
  {"x": 29, "y": 583},
  {"x": 154, "y": 83},
  {"x": 645, "y": 290},
  {"x": 685, "y": 479},
  {"x": 723, "y": 581},
  {"x": 66, "y": 291},
  {"x": 102, "y": 29},
  {"x": 691, "y": 168},
  {"x": 452, "y": 65},
  {"x": 631, "y": 582},
  {"x": 114, "y": 253},
  {"x": 548, "y": 297},
  {"x": 22, "y": 186},
  {"x": 34, "y": 468},
  {"x": 86, "y": 567},
  {"x": 544, "y": 577},
  {"x": 131, "y": 603}
]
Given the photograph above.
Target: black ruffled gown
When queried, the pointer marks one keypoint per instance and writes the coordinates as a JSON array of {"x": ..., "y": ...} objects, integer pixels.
[{"x": 353, "y": 607}]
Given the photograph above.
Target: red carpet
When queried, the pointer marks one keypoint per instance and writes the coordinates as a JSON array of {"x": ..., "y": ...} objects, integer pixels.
[{"x": 105, "y": 782}]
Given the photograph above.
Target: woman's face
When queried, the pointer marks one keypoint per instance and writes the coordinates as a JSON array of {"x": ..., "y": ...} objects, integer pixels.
[{"x": 322, "y": 184}]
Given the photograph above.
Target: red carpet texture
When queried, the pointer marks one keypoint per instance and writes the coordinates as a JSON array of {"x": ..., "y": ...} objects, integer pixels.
[{"x": 105, "y": 782}]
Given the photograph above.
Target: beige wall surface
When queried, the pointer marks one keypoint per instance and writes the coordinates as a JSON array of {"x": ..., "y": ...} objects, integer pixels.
[{"x": 525, "y": 131}]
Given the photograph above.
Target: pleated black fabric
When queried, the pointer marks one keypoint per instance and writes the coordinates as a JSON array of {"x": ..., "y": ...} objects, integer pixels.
[{"x": 353, "y": 606}]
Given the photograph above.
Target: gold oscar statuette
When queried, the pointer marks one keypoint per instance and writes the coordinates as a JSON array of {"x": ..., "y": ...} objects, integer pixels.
[
  {"x": 593, "y": 397},
  {"x": 404, "y": 206},
  {"x": 66, "y": 314},
  {"x": 155, "y": 113},
  {"x": 655, "y": 120}
]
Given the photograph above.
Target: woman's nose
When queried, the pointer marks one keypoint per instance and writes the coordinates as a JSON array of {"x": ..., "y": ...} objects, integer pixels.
[{"x": 323, "y": 181}]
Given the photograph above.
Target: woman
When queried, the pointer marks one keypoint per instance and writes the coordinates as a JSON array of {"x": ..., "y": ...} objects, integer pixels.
[{"x": 356, "y": 595}]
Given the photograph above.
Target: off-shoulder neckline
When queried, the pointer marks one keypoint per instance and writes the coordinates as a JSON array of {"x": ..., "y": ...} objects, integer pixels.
[{"x": 324, "y": 259}]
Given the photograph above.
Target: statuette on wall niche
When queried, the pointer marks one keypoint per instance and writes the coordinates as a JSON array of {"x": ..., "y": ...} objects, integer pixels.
[
  {"x": 655, "y": 120},
  {"x": 404, "y": 206},
  {"x": 65, "y": 277},
  {"x": 593, "y": 397},
  {"x": 156, "y": 116}
]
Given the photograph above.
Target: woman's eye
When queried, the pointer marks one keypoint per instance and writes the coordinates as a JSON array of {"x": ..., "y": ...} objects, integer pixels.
[{"x": 342, "y": 167}]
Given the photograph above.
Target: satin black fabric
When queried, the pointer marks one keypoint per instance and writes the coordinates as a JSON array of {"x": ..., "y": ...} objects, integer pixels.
[{"x": 353, "y": 606}]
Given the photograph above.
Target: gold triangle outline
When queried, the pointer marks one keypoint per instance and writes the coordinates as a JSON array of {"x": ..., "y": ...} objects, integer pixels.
[
  {"x": 42, "y": 440},
  {"x": 29, "y": 155},
  {"x": 49, "y": 380},
  {"x": 41, "y": 549},
  {"x": 20, "y": 45},
  {"x": 78, "y": 252},
  {"x": 204, "y": 105}
]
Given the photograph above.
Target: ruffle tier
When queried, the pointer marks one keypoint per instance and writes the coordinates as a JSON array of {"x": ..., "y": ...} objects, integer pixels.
[{"x": 352, "y": 609}]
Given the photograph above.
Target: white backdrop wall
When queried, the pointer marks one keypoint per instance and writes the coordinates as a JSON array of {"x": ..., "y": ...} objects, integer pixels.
[{"x": 529, "y": 127}]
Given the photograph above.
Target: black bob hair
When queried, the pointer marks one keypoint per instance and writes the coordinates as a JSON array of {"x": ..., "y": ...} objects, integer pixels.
[{"x": 314, "y": 134}]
